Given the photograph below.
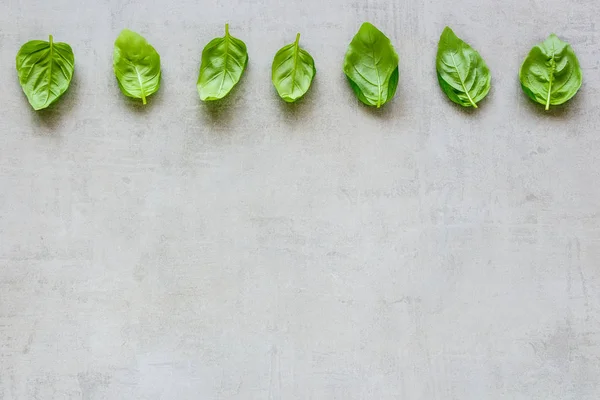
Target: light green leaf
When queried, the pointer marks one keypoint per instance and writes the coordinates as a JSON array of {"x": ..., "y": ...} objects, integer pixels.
[
  {"x": 551, "y": 74},
  {"x": 462, "y": 73},
  {"x": 223, "y": 63},
  {"x": 45, "y": 71},
  {"x": 371, "y": 65},
  {"x": 293, "y": 71},
  {"x": 137, "y": 65}
]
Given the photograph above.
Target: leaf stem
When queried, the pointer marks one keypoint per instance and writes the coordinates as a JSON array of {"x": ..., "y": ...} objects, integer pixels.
[
  {"x": 550, "y": 87},
  {"x": 226, "y": 29},
  {"x": 51, "y": 40},
  {"x": 297, "y": 38},
  {"x": 141, "y": 85}
]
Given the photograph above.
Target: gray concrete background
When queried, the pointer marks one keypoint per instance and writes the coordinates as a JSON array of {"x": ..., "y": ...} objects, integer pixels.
[{"x": 258, "y": 250}]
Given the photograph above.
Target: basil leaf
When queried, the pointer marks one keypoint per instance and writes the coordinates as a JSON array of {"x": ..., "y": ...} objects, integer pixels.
[
  {"x": 462, "y": 73},
  {"x": 551, "y": 74},
  {"x": 223, "y": 63},
  {"x": 45, "y": 71},
  {"x": 293, "y": 71},
  {"x": 371, "y": 65},
  {"x": 137, "y": 65}
]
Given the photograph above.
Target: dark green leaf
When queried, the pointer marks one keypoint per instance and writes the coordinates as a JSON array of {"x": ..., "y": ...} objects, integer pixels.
[
  {"x": 551, "y": 74},
  {"x": 45, "y": 70},
  {"x": 461, "y": 71},
  {"x": 371, "y": 65},
  {"x": 223, "y": 63},
  {"x": 293, "y": 71},
  {"x": 137, "y": 65}
]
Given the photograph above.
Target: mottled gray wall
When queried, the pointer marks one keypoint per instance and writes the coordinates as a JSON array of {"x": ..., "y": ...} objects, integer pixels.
[{"x": 258, "y": 250}]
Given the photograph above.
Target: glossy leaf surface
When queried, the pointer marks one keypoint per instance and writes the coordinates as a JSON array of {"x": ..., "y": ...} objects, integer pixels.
[
  {"x": 293, "y": 71},
  {"x": 551, "y": 75},
  {"x": 45, "y": 71},
  {"x": 461, "y": 72},
  {"x": 137, "y": 65},
  {"x": 223, "y": 63},
  {"x": 371, "y": 65}
]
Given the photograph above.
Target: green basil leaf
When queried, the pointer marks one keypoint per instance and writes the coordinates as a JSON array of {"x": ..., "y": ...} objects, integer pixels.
[
  {"x": 293, "y": 71},
  {"x": 137, "y": 65},
  {"x": 551, "y": 74},
  {"x": 45, "y": 71},
  {"x": 371, "y": 65},
  {"x": 462, "y": 73},
  {"x": 223, "y": 63}
]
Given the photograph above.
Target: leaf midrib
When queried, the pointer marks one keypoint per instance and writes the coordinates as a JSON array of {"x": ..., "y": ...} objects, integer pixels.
[
  {"x": 48, "y": 90},
  {"x": 294, "y": 70},
  {"x": 551, "y": 76},
  {"x": 379, "y": 86},
  {"x": 225, "y": 60},
  {"x": 141, "y": 83},
  {"x": 462, "y": 83}
]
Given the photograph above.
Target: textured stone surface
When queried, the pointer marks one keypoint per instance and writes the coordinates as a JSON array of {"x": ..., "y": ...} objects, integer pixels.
[{"x": 258, "y": 250}]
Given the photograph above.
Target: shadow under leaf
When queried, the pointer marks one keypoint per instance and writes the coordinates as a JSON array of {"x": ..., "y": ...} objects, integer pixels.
[
  {"x": 52, "y": 116},
  {"x": 299, "y": 109}
]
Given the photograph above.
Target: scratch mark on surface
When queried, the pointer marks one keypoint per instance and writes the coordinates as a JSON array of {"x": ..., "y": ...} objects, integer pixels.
[
  {"x": 27, "y": 346},
  {"x": 275, "y": 375},
  {"x": 406, "y": 300},
  {"x": 239, "y": 387},
  {"x": 582, "y": 278}
]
